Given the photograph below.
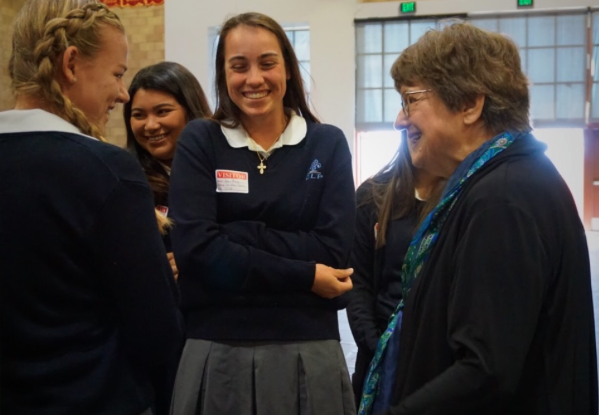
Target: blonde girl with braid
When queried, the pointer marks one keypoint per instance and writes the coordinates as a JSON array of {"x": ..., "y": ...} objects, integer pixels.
[{"x": 88, "y": 316}]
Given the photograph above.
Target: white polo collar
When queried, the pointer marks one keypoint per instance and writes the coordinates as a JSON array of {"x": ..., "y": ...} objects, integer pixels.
[
  {"x": 294, "y": 133},
  {"x": 20, "y": 121}
]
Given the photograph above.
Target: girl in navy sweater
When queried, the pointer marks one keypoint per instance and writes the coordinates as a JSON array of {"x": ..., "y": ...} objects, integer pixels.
[
  {"x": 164, "y": 97},
  {"x": 263, "y": 202},
  {"x": 88, "y": 315}
]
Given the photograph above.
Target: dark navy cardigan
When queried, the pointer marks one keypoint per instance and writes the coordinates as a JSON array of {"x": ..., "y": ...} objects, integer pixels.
[{"x": 87, "y": 299}]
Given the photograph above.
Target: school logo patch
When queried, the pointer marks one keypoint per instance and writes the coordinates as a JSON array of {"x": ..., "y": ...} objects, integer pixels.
[{"x": 314, "y": 171}]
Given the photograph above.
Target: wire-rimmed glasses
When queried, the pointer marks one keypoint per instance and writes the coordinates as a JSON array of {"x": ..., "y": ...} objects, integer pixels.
[{"x": 405, "y": 103}]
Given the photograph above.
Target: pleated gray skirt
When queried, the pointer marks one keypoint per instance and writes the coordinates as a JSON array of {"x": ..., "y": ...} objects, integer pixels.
[{"x": 262, "y": 378}]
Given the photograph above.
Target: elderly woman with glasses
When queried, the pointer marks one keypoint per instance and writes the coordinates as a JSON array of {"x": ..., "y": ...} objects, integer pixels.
[{"x": 496, "y": 315}]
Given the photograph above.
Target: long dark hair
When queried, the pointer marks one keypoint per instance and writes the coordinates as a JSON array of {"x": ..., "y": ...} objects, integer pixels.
[
  {"x": 227, "y": 113},
  {"x": 393, "y": 192},
  {"x": 176, "y": 80}
]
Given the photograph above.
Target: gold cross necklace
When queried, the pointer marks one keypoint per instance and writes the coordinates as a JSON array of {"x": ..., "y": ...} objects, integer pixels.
[
  {"x": 261, "y": 166},
  {"x": 262, "y": 158}
]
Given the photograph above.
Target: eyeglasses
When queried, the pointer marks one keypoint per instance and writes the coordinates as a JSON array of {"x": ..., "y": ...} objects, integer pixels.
[{"x": 405, "y": 102}]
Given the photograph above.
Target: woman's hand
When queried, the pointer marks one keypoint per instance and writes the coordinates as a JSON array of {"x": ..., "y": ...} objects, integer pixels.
[
  {"x": 171, "y": 260},
  {"x": 331, "y": 282}
]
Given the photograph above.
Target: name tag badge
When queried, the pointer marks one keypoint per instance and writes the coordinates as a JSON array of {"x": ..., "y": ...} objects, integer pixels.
[
  {"x": 231, "y": 181},
  {"x": 163, "y": 210}
]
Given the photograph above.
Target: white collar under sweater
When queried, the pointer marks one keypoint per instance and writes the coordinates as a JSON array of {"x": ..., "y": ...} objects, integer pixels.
[
  {"x": 20, "y": 121},
  {"x": 294, "y": 133}
]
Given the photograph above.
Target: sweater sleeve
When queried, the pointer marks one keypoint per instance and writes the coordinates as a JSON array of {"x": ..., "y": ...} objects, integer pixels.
[
  {"x": 497, "y": 295},
  {"x": 201, "y": 249},
  {"x": 361, "y": 308},
  {"x": 329, "y": 241},
  {"x": 135, "y": 271}
]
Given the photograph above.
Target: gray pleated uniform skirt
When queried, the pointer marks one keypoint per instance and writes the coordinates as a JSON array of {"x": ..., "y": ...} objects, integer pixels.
[{"x": 262, "y": 378}]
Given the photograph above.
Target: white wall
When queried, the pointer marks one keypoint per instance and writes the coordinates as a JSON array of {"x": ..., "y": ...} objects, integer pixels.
[{"x": 187, "y": 24}]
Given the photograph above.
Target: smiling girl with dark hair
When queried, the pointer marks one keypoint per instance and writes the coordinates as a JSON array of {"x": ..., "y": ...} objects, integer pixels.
[{"x": 263, "y": 202}]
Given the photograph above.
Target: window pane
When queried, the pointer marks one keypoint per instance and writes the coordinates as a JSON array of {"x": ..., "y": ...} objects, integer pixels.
[
  {"x": 392, "y": 105},
  {"x": 419, "y": 27},
  {"x": 370, "y": 71},
  {"x": 595, "y": 102},
  {"x": 571, "y": 30},
  {"x": 570, "y": 101},
  {"x": 571, "y": 64},
  {"x": 370, "y": 38},
  {"x": 541, "y": 65},
  {"x": 387, "y": 79},
  {"x": 541, "y": 102},
  {"x": 396, "y": 36},
  {"x": 443, "y": 23},
  {"x": 305, "y": 70},
  {"x": 370, "y": 105},
  {"x": 489, "y": 24},
  {"x": 375, "y": 150},
  {"x": 595, "y": 68},
  {"x": 541, "y": 31},
  {"x": 515, "y": 28},
  {"x": 523, "y": 62},
  {"x": 290, "y": 36},
  {"x": 302, "y": 45}
]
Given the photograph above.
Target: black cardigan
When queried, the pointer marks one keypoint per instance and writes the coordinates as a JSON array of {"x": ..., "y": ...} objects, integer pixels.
[
  {"x": 500, "y": 320},
  {"x": 376, "y": 278}
]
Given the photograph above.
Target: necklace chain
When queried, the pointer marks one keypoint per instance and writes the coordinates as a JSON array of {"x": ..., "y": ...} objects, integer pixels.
[{"x": 262, "y": 158}]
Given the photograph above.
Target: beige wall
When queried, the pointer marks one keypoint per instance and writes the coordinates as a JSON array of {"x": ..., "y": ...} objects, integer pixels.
[
  {"x": 145, "y": 31},
  {"x": 8, "y": 11},
  {"x": 380, "y": 1}
]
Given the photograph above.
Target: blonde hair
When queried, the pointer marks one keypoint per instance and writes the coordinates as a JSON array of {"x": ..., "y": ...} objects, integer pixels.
[
  {"x": 164, "y": 223},
  {"x": 43, "y": 30}
]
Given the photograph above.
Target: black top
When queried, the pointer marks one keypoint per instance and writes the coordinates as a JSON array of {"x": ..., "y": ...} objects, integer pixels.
[
  {"x": 246, "y": 243},
  {"x": 377, "y": 272},
  {"x": 500, "y": 320},
  {"x": 376, "y": 278},
  {"x": 87, "y": 311}
]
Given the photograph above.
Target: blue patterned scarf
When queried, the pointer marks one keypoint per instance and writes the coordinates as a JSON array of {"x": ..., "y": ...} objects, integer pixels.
[{"x": 418, "y": 253}]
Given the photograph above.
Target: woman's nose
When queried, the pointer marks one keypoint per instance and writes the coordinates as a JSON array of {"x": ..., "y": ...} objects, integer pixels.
[
  {"x": 255, "y": 76},
  {"x": 123, "y": 97},
  {"x": 152, "y": 123},
  {"x": 401, "y": 121}
]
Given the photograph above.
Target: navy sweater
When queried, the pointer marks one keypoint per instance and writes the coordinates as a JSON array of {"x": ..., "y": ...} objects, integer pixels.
[
  {"x": 87, "y": 307},
  {"x": 247, "y": 260}
]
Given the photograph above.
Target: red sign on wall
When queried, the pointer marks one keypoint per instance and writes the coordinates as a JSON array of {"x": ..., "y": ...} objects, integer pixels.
[{"x": 131, "y": 3}]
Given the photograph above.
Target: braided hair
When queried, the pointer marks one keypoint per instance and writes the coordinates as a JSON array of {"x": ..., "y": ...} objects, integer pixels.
[{"x": 43, "y": 30}]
